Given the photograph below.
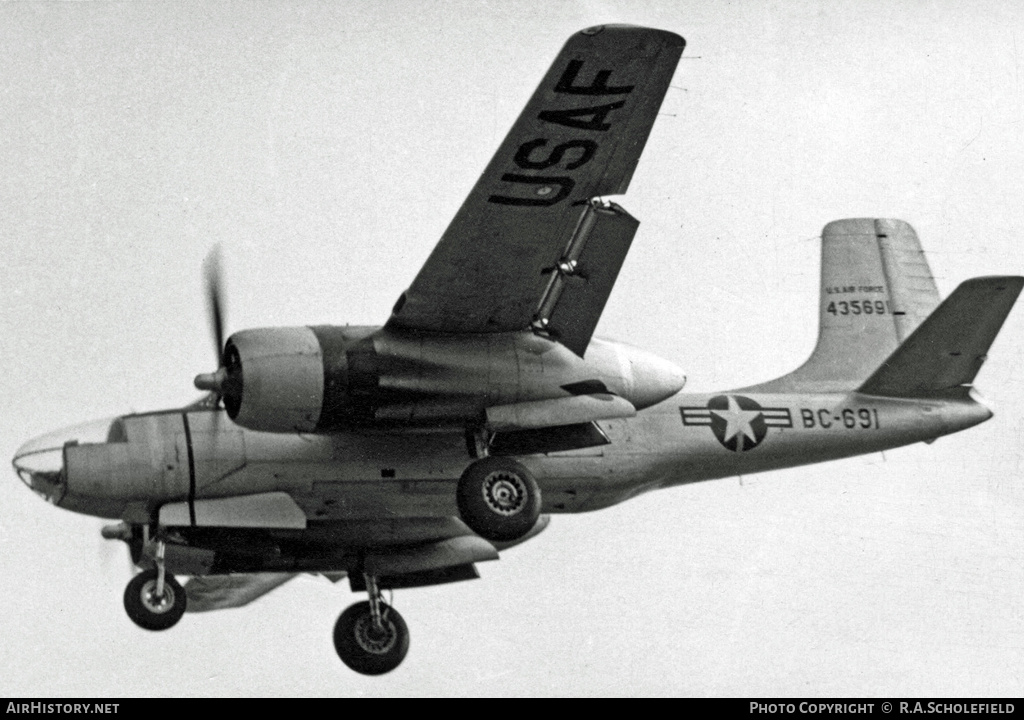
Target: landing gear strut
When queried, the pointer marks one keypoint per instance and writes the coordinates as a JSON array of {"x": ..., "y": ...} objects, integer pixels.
[
  {"x": 154, "y": 600},
  {"x": 370, "y": 637}
]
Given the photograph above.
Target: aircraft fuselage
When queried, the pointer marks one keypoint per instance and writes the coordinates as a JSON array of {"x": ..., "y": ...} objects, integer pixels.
[{"x": 151, "y": 459}]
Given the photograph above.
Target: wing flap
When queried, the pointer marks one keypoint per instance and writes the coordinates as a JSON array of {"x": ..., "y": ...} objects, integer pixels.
[
  {"x": 558, "y": 411},
  {"x": 580, "y": 136},
  {"x": 583, "y": 279},
  {"x": 534, "y": 441}
]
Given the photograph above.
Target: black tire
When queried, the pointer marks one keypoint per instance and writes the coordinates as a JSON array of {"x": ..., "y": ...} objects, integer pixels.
[
  {"x": 498, "y": 499},
  {"x": 149, "y": 612},
  {"x": 362, "y": 648}
]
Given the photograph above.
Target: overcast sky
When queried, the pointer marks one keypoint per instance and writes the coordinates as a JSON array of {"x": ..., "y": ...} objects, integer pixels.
[{"x": 327, "y": 145}]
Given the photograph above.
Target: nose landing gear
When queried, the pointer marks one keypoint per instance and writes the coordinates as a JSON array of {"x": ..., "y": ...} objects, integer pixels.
[
  {"x": 154, "y": 600},
  {"x": 371, "y": 637}
]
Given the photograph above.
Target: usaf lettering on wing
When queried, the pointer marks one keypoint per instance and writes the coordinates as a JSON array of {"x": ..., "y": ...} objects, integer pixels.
[{"x": 551, "y": 189}]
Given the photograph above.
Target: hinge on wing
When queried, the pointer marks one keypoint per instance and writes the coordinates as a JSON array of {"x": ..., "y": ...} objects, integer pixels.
[{"x": 568, "y": 265}]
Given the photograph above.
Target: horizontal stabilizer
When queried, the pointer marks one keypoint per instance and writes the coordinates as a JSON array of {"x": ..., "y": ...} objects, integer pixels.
[{"x": 947, "y": 350}]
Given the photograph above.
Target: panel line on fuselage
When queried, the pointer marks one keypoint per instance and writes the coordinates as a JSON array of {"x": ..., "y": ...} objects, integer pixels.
[{"x": 191, "y": 470}]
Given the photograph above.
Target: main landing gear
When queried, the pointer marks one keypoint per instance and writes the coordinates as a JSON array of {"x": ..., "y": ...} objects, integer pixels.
[
  {"x": 371, "y": 637},
  {"x": 154, "y": 600},
  {"x": 498, "y": 499}
]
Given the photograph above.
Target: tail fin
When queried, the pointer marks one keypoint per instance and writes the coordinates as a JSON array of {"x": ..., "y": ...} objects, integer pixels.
[
  {"x": 876, "y": 288},
  {"x": 947, "y": 350}
]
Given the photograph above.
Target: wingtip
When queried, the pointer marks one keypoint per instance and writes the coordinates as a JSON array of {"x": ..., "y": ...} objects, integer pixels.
[
  {"x": 669, "y": 39},
  {"x": 1013, "y": 283}
]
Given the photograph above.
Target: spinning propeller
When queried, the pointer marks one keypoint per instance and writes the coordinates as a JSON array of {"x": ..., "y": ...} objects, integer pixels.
[
  {"x": 221, "y": 382},
  {"x": 214, "y": 300}
]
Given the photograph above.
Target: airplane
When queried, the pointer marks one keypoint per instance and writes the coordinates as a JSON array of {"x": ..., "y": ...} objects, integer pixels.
[{"x": 400, "y": 456}]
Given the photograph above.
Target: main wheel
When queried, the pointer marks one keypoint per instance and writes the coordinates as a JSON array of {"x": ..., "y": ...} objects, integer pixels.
[
  {"x": 149, "y": 610},
  {"x": 498, "y": 499},
  {"x": 367, "y": 649}
]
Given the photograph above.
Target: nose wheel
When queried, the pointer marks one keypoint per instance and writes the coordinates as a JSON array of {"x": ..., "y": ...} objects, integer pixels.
[
  {"x": 371, "y": 637},
  {"x": 154, "y": 600},
  {"x": 151, "y": 606}
]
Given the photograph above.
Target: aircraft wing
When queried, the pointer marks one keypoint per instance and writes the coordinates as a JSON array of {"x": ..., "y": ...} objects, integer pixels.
[
  {"x": 579, "y": 137},
  {"x": 217, "y": 592}
]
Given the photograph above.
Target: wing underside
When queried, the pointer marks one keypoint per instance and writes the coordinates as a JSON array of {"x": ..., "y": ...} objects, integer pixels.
[
  {"x": 217, "y": 592},
  {"x": 412, "y": 563},
  {"x": 579, "y": 137}
]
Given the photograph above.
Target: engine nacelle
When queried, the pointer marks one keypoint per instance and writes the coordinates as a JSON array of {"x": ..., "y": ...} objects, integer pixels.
[
  {"x": 328, "y": 378},
  {"x": 275, "y": 379}
]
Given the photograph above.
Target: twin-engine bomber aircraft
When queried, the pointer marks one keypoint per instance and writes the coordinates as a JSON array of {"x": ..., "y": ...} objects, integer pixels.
[{"x": 403, "y": 455}]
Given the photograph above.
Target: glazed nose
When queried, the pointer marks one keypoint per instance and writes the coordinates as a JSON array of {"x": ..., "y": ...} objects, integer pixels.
[
  {"x": 40, "y": 462},
  {"x": 42, "y": 469}
]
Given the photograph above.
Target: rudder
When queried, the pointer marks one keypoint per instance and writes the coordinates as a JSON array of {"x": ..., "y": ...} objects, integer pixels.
[{"x": 876, "y": 289}]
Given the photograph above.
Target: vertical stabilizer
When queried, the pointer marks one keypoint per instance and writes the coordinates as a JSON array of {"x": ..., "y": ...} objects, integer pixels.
[{"x": 876, "y": 289}]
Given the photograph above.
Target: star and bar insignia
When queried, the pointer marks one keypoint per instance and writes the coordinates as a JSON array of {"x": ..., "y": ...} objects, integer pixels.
[{"x": 739, "y": 423}]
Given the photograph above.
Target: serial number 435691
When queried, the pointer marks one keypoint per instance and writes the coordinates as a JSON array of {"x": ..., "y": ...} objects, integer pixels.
[{"x": 859, "y": 307}]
